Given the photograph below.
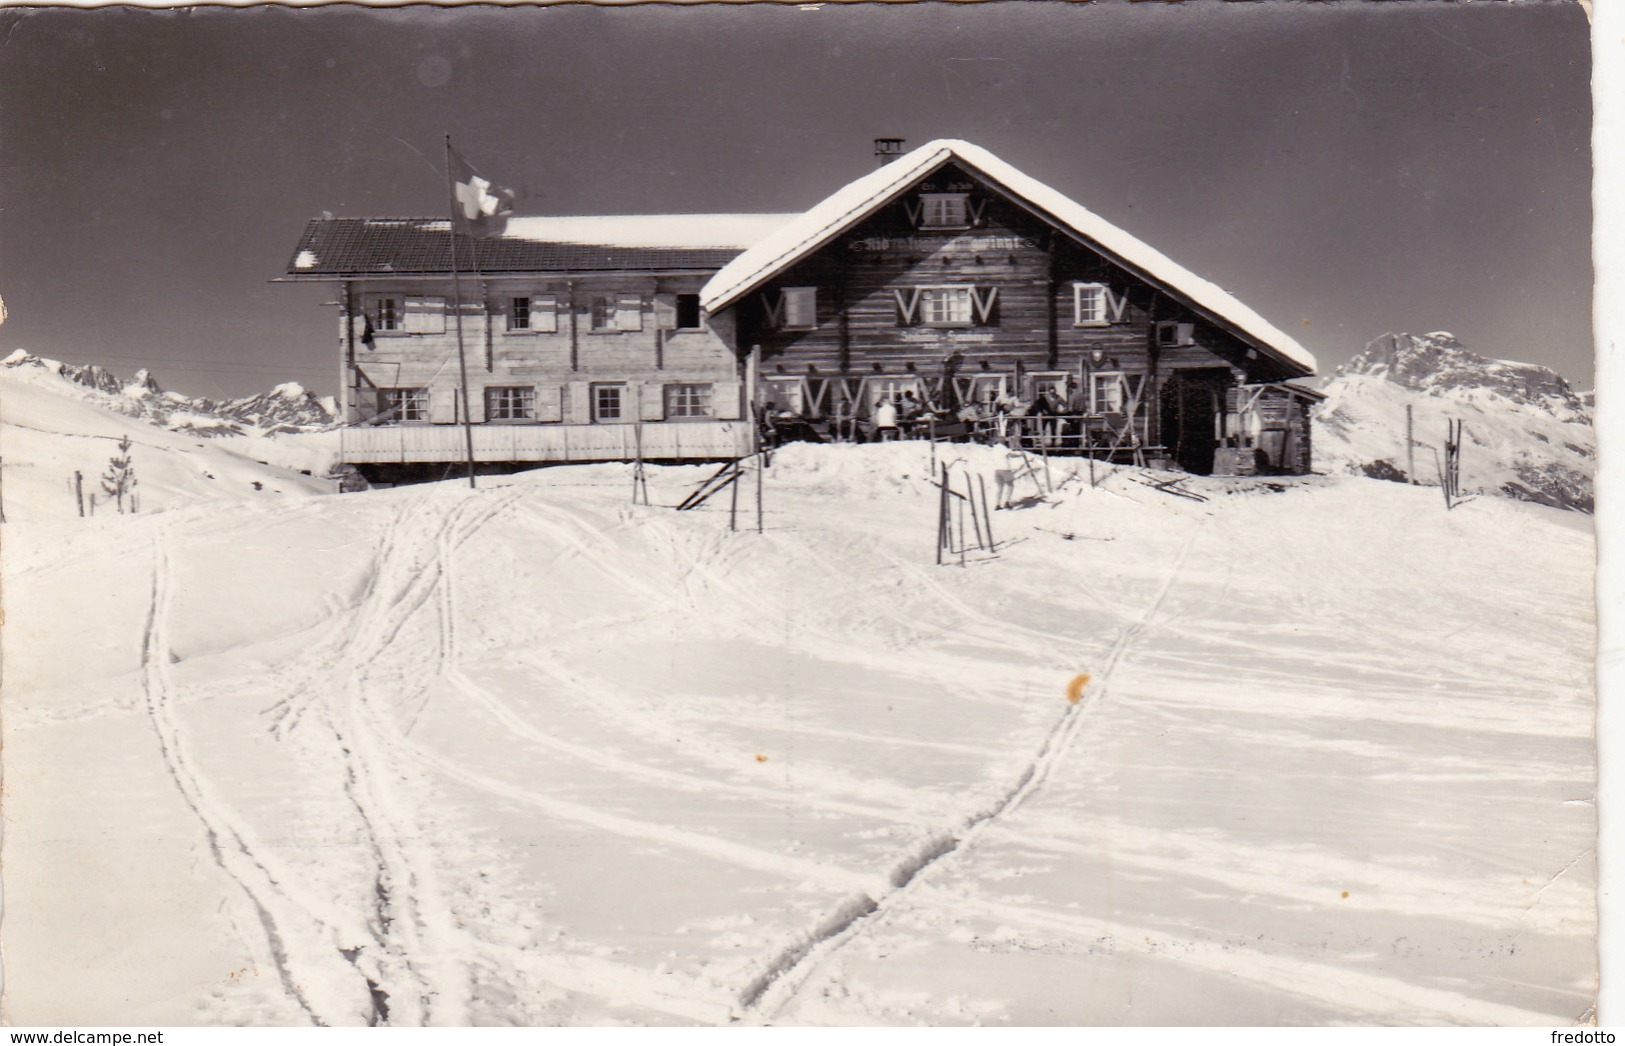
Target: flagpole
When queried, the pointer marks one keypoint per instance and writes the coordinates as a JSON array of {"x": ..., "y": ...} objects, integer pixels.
[{"x": 457, "y": 312}]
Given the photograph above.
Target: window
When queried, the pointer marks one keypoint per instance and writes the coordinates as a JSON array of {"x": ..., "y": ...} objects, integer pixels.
[
  {"x": 1171, "y": 333},
  {"x": 943, "y": 211},
  {"x": 403, "y": 404},
  {"x": 608, "y": 402},
  {"x": 510, "y": 403},
  {"x": 617, "y": 312},
  {"x": 783, "y": 395},
  {"x": 985, "y": 387},
  {"x": 799, "y": 307},
  {"x": 1089, "y": 305},
  {"x": 889, "y": 388},
  {"x": 386, "y": 314},
  {"x": 945, "y": 306},
  {"x": 536, "y": 312},
  {"x": 688, "y": 312},
  {"x": 1106, "y": 393},
  {"x": 688, "y": 401},
  {"x": 1053, "y": 384}
]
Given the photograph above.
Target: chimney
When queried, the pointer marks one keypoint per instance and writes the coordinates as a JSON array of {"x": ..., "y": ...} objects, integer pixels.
[{"x": 888, "y": 149}]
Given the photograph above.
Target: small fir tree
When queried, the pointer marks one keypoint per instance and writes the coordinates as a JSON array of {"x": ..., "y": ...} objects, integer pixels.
[{"x": 119, "y": 479}]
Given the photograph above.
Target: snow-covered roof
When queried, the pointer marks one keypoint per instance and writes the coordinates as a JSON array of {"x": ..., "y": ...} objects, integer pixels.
[
  {"x": 793, "y": 241},
  {"x": 578, "y": 243},
  {"x": 648, "y": 230}
]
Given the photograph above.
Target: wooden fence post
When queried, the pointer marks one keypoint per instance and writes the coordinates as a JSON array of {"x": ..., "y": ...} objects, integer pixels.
[
  {"x": 733, "y": 499},
  {"x": 987, "y": 520},
  {"x": 1410, "y": 446}
]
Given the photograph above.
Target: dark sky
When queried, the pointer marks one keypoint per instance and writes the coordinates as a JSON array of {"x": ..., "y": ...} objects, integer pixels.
[{"x": 1346, "y": 169}]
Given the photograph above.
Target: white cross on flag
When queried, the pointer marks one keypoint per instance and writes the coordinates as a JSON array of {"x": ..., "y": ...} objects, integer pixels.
[{"x": 480, "y": 208}]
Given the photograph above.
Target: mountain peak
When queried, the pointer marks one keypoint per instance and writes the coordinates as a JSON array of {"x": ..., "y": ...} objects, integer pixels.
[
  {"x": 1438, "y": 363},
  {"x": 288, "y": 407},
  {"x": 1527, "y": 434}
]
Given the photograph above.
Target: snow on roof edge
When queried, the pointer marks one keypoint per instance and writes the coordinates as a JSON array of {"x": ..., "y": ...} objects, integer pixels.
[
  {"x": 858, "y": 199},
  {"x": 811, "y": 230}
]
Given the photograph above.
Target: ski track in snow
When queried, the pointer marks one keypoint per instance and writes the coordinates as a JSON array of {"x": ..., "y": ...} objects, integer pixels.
[
  {"x": 423, "y": 971},
  {"x": 293, "y": 933},
  {"x": 403, "y": 968},
  {"x": 390, "y": 948},
  {"x": 775, "y": 988}
]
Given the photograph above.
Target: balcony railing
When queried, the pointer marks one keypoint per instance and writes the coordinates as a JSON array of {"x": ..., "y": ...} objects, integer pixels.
[{"x": 690, "y": 440}]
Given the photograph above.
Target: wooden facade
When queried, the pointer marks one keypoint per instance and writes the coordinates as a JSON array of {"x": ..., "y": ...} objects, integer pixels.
[
  {"x": 942, "y": 280},
  {"x": 991, "y": 299}
]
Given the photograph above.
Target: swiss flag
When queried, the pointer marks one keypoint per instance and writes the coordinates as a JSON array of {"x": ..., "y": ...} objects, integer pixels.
[{"x": 479, "y": 208}]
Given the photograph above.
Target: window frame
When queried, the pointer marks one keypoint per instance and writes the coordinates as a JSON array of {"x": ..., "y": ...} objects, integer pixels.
[
  {"x": 976, "y": 386},
  {"x": 601, "y": 314},
  {"x": 384, "y": 312},
  {"x": 1098, "y": 382},
  {"x": 596, "y": 404},
  {"x": 1100, "y": 295},
  {"x": 541, "y": 313},
  {"x": 969, "y": 302},
  {"x": 510, "y": 403},
  {"x": 798, "y": 396},
  {"x": 1038, "y": 380},
  {"x": 678, "y": 406},
  {"x": 929, "y": 199},
  {"x": 677, "y": 312},
  {"x": 1173, "y": 334},
  {"x": 405, "y": 404},
  {"x": 889, "y": 386}
]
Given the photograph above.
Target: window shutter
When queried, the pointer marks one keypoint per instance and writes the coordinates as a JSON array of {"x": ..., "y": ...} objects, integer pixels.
[
  {"x": 425, "y": 315},
  {"x": 800, "y": 308},
  {"x": 1186, "y": 333},
  {"x": 479, "y": 404},
  {"x": 908, "y": 306},
  {"x": 549, "y": 403},
  {"x": 544, "y": 313},
  {"x": 629, "y": 312},
  {"x": 985, "y": 302},
  {"x": 580, "y": 403},
  {"x": 725, "y": 399},
  {"x": 666, "y": 312},
  {"x": 443, "y": 405},
  {"x": 652, "y": 402}
]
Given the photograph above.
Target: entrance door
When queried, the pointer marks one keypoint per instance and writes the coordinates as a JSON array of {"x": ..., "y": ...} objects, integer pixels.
[{"x": 1191, "y": 402}]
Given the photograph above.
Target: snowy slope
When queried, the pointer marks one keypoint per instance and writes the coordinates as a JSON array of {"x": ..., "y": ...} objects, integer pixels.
[
  {"x": 532, "y": 754},
  {"x": 51, "y": 426},
  {"x": 288, "y": 408},
  {"x": 1527, "y": 434}
]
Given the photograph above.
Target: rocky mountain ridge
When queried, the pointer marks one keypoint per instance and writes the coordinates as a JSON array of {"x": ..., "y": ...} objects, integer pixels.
[{"x": 287, "y": 408}]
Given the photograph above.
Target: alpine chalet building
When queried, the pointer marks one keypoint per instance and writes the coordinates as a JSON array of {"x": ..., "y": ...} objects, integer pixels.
[{"x": 946, "y": 273}]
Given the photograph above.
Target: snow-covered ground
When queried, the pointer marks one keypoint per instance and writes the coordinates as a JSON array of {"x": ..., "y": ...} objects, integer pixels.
[
  {"x": 532, "y": 754},
  {"x": 51, "y": 427}
]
